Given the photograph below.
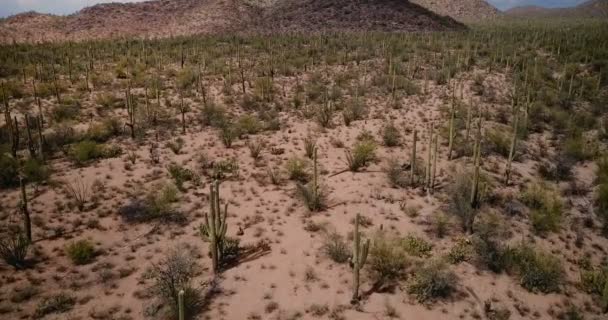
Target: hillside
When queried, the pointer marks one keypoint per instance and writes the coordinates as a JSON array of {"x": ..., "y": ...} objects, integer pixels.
[
  {"x": 159, "y": 18},
  {"x": 465, "y": 10},
  {"x": 347, "y": 15},
  {"x": 165, "y": 18},
  {"x": 589, "y": 9}
]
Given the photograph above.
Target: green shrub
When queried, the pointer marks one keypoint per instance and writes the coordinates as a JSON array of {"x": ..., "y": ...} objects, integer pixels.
[
  {"x": 81, "y": 252},
  {"x": 596, "y": 282},
  {"x": 362, "y": 154},
  {"x": 249, "y": 124},
  {"x": 228, "y": 132},
  {"x": 499, "y": 142},
  {"x": 297, "y": 169},
  {"x": 546, "y": 208},
  {"x": 336, "y": 248},
  {"x": 68, "y": 110},
  {"x": 431, "y": 281},
  {"x": 213, "y": 115},
  {"x": 391, "y": 135},
  {"x": 538, "y": 271},
  {"x": 576, "y": 148},
  {"x": 225, "y": 168},
  {"x": 59, "y": 303},
  {"x": 315, "y": 200},
  {"x": 387, "y": 260},
  {"x": 86, "y": 151},
  {"x": 461, "y": 251},
  {"x": 181, "y": 174},
  {"x": 416, "y": 246},
  {"x": 9, "y": 171},
  {"x": 35, "y": 171}
]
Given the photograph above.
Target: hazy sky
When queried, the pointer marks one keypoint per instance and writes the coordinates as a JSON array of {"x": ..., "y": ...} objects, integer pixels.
[{"x": 10, "y": 7}]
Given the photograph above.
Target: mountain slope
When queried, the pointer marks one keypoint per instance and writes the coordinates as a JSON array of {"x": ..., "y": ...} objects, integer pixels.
[
  {"x": 589, "y": 9},
  {"x": 352, "y": 15},
  {"x": 159, "y": 18},
  {"x": 462, "y": 10},
  {"x": 165, "y": 18}
]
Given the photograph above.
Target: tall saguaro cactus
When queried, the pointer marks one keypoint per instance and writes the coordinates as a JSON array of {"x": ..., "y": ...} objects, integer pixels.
[
  {"x": 359, "y": 258},
  {"x": 180, "y": 305},
  {"x": 427, "y": 173},
  {"x": 27, "y": 224},
  {"x": 413, "y": 159},
  {"x": 129, "y": 104},
  {"x": 512, "y": 148},
  {"x": 215, "y": 226},
  {"x": 476, "y": 171}
]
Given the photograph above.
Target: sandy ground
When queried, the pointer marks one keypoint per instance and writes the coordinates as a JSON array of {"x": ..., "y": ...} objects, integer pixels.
[{"x": 278, "y": 216}]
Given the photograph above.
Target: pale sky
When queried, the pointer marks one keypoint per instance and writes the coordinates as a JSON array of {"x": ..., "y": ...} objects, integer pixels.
[{"x": 10, "y": 7}]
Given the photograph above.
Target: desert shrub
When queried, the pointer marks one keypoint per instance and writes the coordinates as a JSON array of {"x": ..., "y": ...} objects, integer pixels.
[
  {"x": 24, "y": 294},
  {"x": 58, "y": 303},
  {"x": 546, "y": 208},
  {"x": 180, "y": 175},
  {"x": 336, "y": 248},
  {"x": 175, "y": 272},
  {"x": 213, "y": 115},
  {"x": 431, "y": 281},
  {"x": 81, "y": 252},
  {"x": 86, "y": 151},
  {"x": 490, "y": 233},
  {"x": 248, "y": 124},
  {"x": 255, "y": 148},
  {"x": 9, "y": 171},
  {"x": 79, "y": 192},
  {"x": 67, "y": 110},
  {"x": 275, "y": 176},
  {"x": 185, "y": 79},
  {"x": 225, "y": 168},
  {"x": 176, "y": 145},
  {"x": 538, "y": 271},
  {"x": 324, "y": 114},
  {"x": 461, "y": 251},
  {"x": 387, "y": 260},
  {"x": 228, "y": 133},
  {"x": 391, "y": 135},
  {"x": 441, "y": 224},
  {"x": 315, "y": 197},
  {"x": 297, "y": 169},
  {"x": 395, "y": 174},
  {"x": 595, "y": 282},
  {"x": 499, "y": 142},
  {"x": 310, "y": 144},
  {"x": 35, "y": 171},
  {"x": 157, "y": 204},
  {"x": 459, "y": 194},
  {"x": 557, "y": 169},
  {"x": 362, "y": 154},
  {"x": 577, "y": 148},
  {"x": 14, "y": 247},
  {"x": 416, "y": 246}
]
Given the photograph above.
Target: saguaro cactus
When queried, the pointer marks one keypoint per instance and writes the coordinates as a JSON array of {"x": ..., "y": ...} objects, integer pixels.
[
  {"x": 413, "y": 159},
  {"x": 27, "y": 224},
  {"x": 451, "y": 129},
  {"x": 427, "y": 175},
  {"x": 129, "y": 104},
  {"x": 476, "y": 171},
  {"x": 513, "y": 146},
  {"x": 215, "y": 226},
  {"x": 180, "y": 303},
  {"x": 358, "y": 259}
]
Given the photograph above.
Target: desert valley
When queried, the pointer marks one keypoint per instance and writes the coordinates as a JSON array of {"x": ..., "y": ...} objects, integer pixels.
[{"x": 282, "y": 159}]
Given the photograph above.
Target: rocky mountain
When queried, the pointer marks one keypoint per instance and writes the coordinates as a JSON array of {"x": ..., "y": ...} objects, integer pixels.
[
  {"x": 461, "y": 10},
  {"x": 589, "y": 9},
  {"x": 349, "y": 15},
  {"x": 165, "y": 18}
]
